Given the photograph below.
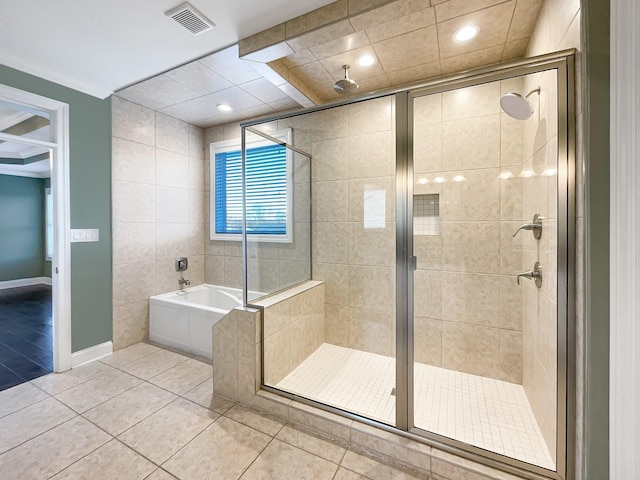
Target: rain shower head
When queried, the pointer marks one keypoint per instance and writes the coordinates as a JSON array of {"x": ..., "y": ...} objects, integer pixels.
[
  {"x": 345, "y": 86},
  {"x": 517, "y": 106}
]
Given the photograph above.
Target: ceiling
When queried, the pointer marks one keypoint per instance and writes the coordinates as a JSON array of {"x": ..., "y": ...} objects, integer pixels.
[
  {"x": 410, "y": 40},
  {"x": 98, "y": 47},
  {"x": 24, "y": 157}
]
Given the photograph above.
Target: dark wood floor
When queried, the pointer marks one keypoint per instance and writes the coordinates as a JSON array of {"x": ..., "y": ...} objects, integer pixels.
[{"x": 26, "y": 334}]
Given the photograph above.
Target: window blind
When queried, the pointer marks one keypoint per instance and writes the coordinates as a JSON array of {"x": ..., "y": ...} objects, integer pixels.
[{"x": 266, "y": 173}]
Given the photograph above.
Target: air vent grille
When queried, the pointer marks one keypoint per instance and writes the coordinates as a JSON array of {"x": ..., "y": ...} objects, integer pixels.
[{"x": 190, "y": 18}]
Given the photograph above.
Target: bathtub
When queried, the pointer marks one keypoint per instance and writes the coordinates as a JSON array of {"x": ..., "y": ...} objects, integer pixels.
[{"x": 183, "y": 319}]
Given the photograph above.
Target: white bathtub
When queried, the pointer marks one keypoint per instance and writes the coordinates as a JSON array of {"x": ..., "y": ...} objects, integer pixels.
[{"x": 183, "y": 319}]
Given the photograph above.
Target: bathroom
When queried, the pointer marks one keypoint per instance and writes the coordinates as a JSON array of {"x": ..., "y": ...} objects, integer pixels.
[{"x": 469, "y": 313}]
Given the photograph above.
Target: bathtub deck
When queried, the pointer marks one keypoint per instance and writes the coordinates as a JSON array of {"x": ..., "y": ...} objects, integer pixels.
[{"x": 483, "y": 412}]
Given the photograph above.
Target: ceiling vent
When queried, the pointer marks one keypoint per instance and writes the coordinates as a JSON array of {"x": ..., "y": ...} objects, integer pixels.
[{"x": 190, "y": 18}]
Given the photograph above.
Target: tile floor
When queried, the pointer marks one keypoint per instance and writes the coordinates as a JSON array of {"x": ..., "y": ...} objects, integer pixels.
[
  {"x": 26, "y": 337},
  {"x": 149, "y": 413},
  {"x": 484, "y": 412}
]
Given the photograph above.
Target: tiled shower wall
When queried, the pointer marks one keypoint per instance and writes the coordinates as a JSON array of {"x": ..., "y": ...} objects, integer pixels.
[
  {"x": 272, "y": 266},
  {"x": 158, "y": 212},
  {"x": 558, "y": 28},
  {"x": 353, "y": 150},
  {"x": 467, "y": 303}
]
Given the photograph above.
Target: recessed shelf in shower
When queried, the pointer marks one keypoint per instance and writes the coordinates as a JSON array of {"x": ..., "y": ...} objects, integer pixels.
[{"x": 426, "y": 214}]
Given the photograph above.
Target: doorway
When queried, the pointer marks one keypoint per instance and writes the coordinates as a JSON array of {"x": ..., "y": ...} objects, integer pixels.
[{"x": 34, "y": 139}]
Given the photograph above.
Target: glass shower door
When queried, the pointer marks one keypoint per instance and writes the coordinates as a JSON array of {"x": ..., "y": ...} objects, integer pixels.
[{"x": 485, "y": 338}]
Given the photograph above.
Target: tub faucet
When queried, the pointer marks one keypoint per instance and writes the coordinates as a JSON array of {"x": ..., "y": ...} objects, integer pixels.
[{"x": 182, "y": 282}]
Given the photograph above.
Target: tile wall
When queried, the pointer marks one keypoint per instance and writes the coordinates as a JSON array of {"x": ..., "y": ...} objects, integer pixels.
[
  {"x": 353, "y": 214},
  {"x": 158, "y": 211},
  {"x": 466, "y": 301},
  {"x": 558, "y": 28},
  {"x": 272, "y": 266}
]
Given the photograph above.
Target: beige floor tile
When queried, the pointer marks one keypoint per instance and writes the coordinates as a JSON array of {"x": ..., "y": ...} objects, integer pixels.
[
  {"x": 223, "y": 451},
  {"x": 317, "y": 446},
  {"x": 160, "y": 474},
  {"x": 375, "y": 470},
  {"x": 124, "y": 411},
  {"x": 165, "y": 432},
  {"x": 184, "y": 376},
  {"x": 130, "y": 354},
  {"x": 263, "y": 424},
  {"x": 203, "y": 395},
  {"x": 31, "y": 421},
  {"x": 97, "y": 390},
  {"x": 18, "y": 397},
  {"x": 111, "y": 461},
  {"x": 281, "y": 460},
  {"x": 154, "y": 364},
  {"x": 52, "y": 451},
  {"x": 55, "y": 383},
  {"x": 344, "y": 474}
]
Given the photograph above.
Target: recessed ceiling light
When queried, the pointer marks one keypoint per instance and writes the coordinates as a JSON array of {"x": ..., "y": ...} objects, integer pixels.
[
  {"x": 366, "y": 60},
  {"x": 465, "y": 34},
  {"x": 224, "y": 107}
]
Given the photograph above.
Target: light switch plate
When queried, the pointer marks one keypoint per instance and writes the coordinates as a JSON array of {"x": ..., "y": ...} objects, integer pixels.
[{"x": 85, "y": 235}]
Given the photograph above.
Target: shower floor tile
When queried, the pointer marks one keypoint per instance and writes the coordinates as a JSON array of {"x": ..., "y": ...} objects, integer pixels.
[{"x": 484, "y": 412}]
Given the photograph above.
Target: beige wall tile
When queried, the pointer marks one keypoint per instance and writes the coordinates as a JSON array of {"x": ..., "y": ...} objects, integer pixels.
[
  {"x": 132, "y": 161},
  {"x": 427, "y": 109},
  {"x": 172, "y": 205},
  {"x": 337, "y": 325},
  {"x": 361, "y": 189},
  {"x": 471, "y": 349},
  {"x": 330, "y": 160},
  {"x": 214, "y": 270},
  {"x": 330, "y": 242},
  {"x": 133, "y": 282},
  {"x": 372, "y": 155},
  {"x": 471, "y": 143},
  {"x": 521, "y": 28},
  {"x": 427, "y": 300},
  {"x": 475, "y": 197},
  {"x": 172, "y": 169},
  {"x": 132, "y": 122},
  {"x": 371, "y": 116},
  {"x": 130, "y": 323},
  {"x": 133, "y": 202},
  {"x": 372, "y": 331},
  {"x": 428, "y": 250},
  {"x": 468, "y": 247},
  {"x": 471, "y": 102},
  {"x": 134, "y": 242},
  {"x": 428, "y": 341},
  {"x": 320, "y": 36},
  {"x": 328, "y": 201},
  {"x": 372, "y": 246},
  {"x": 172, "y": 134},
  {"x": 510, "y": 304},
  {"x": 469, "y": 298},
  {"x": 427, "y": 148},
  {"x": 511, "y": 356},
  {"x": 372, "y": 288}
]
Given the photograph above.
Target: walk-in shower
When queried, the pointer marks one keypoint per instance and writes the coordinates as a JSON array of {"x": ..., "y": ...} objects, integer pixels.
[{"x": 433, "y": 319}]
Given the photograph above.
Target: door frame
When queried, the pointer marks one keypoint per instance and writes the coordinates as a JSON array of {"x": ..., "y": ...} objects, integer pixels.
[{"x": 61, "y": 261}]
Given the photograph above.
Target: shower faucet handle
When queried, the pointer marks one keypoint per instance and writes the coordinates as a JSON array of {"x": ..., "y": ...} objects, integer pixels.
[
  {"x": 535, "y": 225},
  {"x": 535, "y": 275}
]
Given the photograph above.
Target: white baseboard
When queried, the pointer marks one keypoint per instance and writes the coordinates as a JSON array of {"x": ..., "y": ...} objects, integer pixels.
[
  {"x": 90, "y": 354},
  {"x": 25, "y": 282}
]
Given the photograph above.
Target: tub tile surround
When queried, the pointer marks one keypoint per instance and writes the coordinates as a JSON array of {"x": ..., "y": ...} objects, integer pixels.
[{"x": 158, "y": 211}]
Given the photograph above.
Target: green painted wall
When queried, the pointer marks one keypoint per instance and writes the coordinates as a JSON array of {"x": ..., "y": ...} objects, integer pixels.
[
  {"x": 21, "y": 227},
  {"x": 90, "y": 177}
]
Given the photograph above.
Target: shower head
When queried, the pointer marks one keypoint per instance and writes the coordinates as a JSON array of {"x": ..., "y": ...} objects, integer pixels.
[
  {"x": 346, "y": 86},
  {"x": 517, "y": 106}
]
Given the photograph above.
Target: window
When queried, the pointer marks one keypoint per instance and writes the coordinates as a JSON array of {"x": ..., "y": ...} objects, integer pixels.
[
  {"x": 49, "y": 223},
  {"x": 269, "y": 175}
]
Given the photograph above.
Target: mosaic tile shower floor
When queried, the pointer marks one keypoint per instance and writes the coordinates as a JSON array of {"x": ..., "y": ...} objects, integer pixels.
[{"x": 484, "y": 412}]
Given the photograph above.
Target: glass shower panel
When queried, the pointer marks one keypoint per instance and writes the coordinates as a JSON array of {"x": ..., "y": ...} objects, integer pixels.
[
  {"x": 353, "y": 237},
  {"x": 485, "y": 338},
  {"x": 278, "y": 217}
]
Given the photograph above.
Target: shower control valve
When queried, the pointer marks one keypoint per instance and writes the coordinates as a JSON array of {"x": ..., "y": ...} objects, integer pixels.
[
  {"x": 535, "y": 225},
  {"x": 535, "y": 275}
]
